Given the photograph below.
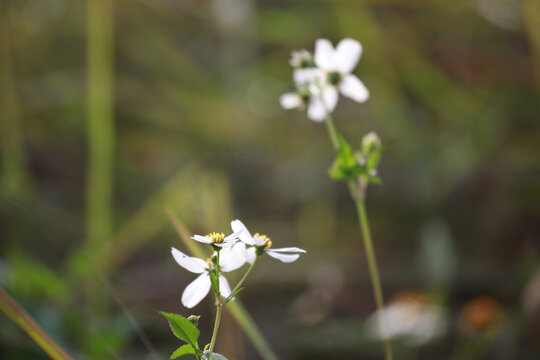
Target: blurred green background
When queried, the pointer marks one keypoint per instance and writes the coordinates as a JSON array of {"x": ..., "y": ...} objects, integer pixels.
[{"x": 112, "y": 115}]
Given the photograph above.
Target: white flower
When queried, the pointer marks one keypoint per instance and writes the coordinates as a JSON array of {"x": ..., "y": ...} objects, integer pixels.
[
  {"x": 411, "y": 318},
  {"x": 318, "y": 79},
  {"x": 338, "y": 64},
  {"x": 230, "y": 259},
  {"x": 217, "y": 239},
  {"x": 301, "y": 59},
  {"x": 313, "y": 92},
  {"x": 263, "y": 243}
]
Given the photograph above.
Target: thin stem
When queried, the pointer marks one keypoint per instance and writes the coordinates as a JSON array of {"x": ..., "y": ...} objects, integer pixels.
[
  {"x": 241, "y": 280},
  {"x": 216, "y": 327},
  {"x": 19, "y": 316},
  {"x": 374, "y": 274},
  {"x": 218, "y": 310},
  {"x": 357, "y": 193},
  {"x": 332, "y": 131}
]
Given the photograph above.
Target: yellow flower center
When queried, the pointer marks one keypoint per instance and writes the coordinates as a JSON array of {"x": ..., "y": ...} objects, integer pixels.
[
  {"x": 266, "y": 239},
  {"x": 217, "y": 238}
]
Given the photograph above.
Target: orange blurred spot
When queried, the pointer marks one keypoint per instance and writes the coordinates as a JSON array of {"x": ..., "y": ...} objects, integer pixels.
[{"x": 480, "y": 314}]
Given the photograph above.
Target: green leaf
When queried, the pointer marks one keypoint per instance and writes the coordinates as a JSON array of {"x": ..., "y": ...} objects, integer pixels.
[
  {"x": 214, "y": 281},
  {"x": 215, "y": 356},
  {"x": 183, "y": 350},
  {"x": 183, "y": 328},
  {"x": 375, "y": 180},
  {"x": 346, "y": 166},
  {"x": 374, "y": 158}
]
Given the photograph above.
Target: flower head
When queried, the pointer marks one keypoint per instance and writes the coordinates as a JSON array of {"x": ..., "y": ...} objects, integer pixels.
[
  {"x": 230, "y": 259},
  {"x": 258, "y": 244},
  {"x": 311, "y": 92},
  {"x": 216, "y": 239},
  {"x": 301, "y": 59},
  {"x": 319, "y": 77},
  {"x": 338, "y": 64}
]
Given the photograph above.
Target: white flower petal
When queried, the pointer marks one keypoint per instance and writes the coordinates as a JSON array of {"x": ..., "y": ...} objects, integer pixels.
[
  {"x": 232, "y": 258},
  {"x": 289, "y": 250},
  {"x": 224, "y": 287},
  {"x": 286, "y": 258},
  {"x": 243, "y": 233},
  {"x": 202, "y": 239},
  {"x": 193, "y": 264},
  {"x": 304, "y": 77},
  {"x": 196, "y": 291},
  {"x": 290, "y": 101},
  {"x": 316, "y": 109},
  {"x": 258, "y": 241},
  {"x": 324, "y": 55},
  {"x": 348, "y": 52},
  {"x": 250, "y": 254},
  {"x": 353, "y": 88},
  {"x": 330, "y": 97}
]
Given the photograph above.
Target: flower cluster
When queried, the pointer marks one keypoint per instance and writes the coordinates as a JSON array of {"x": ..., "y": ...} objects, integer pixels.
[
  {"x": 230, "y": 253},
  {"x": 320, "y": 77}
]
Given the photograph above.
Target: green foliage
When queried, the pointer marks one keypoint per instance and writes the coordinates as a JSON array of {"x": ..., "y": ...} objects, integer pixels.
[
  {"x": 30, "y": 278},
  {"x": 346, "y": 166},
  {"x": 183, "y": 350},
  {"x": 214, "y": 281},
  {"x": 184, "y": 330},
  {"x": 350, "y": 166}
]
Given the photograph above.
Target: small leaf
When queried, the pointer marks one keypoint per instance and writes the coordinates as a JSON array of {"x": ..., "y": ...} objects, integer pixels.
[
  {"x": 183, "y": 350},
  {"x": 215, "y": 282},
  {"x": 375, "y": 180},
  {"x": 183, "y": 328},
  {"x": 215, "y": 356},
  {"x": 374, "y": 158}
]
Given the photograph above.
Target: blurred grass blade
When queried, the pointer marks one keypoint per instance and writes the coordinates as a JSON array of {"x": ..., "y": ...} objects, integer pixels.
[
  {"x": 13, "y": 168},
  {"x": 100, "y": 121},
  {"x": 238, "y": 311},
  {"x": 21, "y": 317}
]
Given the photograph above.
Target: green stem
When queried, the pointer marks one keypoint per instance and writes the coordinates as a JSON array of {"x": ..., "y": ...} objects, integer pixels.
[
  {"x": 218, "y": 310},
  {"x": 216, "y": 327},
  {"x": 374, "y": 274},
  {"x": 357, "y": 193},
  {"x": 100, "y": 121},
  {"x": 241, "y": 280},
  {"x": 19, "y": 316},
  {"x": 332, "y": 131}
]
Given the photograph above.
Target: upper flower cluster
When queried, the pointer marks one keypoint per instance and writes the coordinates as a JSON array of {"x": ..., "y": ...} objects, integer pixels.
[
  {"x": 230, "y": 253},
  {"x": 320, "y": 77}
]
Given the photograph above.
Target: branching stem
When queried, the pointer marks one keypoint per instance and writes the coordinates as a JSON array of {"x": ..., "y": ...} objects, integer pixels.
[{"x": 358, "y": 193}]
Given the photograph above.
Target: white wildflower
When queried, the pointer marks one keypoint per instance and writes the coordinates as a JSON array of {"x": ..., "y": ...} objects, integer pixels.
[
  {"x": 338, "y": 64},
  {"x": 230, "y": 259},
  {"x": 263, "y": 243}
]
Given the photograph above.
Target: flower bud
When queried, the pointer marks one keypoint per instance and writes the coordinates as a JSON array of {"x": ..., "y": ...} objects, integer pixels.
[
  {"x": 370, "y": 142},
  {"x": 194, "y": 319}
]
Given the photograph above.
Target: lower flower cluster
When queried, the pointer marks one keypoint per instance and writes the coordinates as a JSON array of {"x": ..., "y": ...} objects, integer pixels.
[{"x": 229, "y": 253}]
